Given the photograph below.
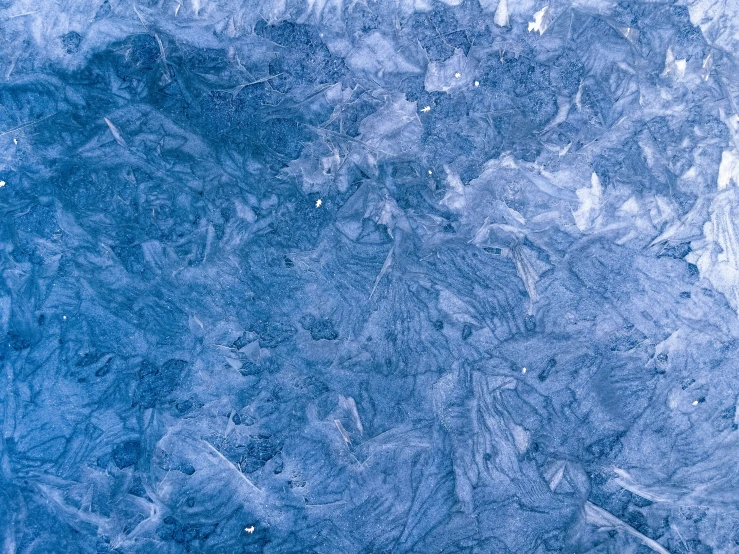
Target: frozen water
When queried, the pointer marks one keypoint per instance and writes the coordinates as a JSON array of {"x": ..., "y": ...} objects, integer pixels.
[{"x": 369, "y": 277}]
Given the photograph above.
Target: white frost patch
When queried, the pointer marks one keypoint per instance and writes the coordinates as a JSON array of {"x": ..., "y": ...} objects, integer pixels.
[
  {"x": 590, "y": 202},
  {"x": 454, "y": 199},
  {"x": 731, "y": 121},
  {"x": 541, "y": 21},
  {"x": 452, "y": 74},
  {"x": 661, "y": 212},
  {"x": 689, "y": 227},
  {"x": 578, "y": 97},
  {"x": 501, "y": 18},
  {"x": 674, "y": 67},
  {"x": 728, "y": 171},
  {"x": 521, "y": 438},
  {"x": 377, "y": 55},
  {"x": 318, "y": 7},
  {"x": 630, "y": 207},
  {"x": 387, "y": 213},
  {"x": 374, "y": 204},
  {"x": 393, "y": 129},
  {"x": 563, "y": 105},
  {"x": 719, "y": 259}
]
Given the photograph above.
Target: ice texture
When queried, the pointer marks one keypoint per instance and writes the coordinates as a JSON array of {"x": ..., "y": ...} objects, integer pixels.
[{"x": 369, "y": 277}]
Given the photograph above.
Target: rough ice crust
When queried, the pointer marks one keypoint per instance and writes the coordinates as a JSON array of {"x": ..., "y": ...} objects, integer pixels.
[{"x": 369, "y": 277}]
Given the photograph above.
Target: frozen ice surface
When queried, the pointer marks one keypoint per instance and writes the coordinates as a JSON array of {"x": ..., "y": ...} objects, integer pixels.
[{"x": 369, "y": 277}]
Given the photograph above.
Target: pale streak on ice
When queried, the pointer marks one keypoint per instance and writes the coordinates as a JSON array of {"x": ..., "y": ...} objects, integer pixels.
[
  {"x": 115, "y": 132},
  {"x": 625, "y": 481},
  {"x": 385, "y": 267},
  {"x": 230, "y": 465},
  {"x": 348, "y": 403},
  {"x": 527, "y": 273},
  {"x": 605, "y": 521},
  {"x": 343, "y": 432},
  {"x": 707, "y": 65}
]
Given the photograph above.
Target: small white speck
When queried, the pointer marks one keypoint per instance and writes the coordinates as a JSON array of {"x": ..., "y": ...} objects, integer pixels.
[
  {"x": 2, "y": 184},
  {"x": 431, "y": 172},
  {"x": 457, "y": 75},
  {"x": 523, "y": 370},
  {"x": 426, "y": 109},
  {"x": 249, "y": 529},
  {"x": 64, "y": 317},
  {"x": 477, "y": 83},
  {"x": 15, "y": 140},
  {"x": 695, "y": 402},
  {"x": 319, "y": 203}
]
